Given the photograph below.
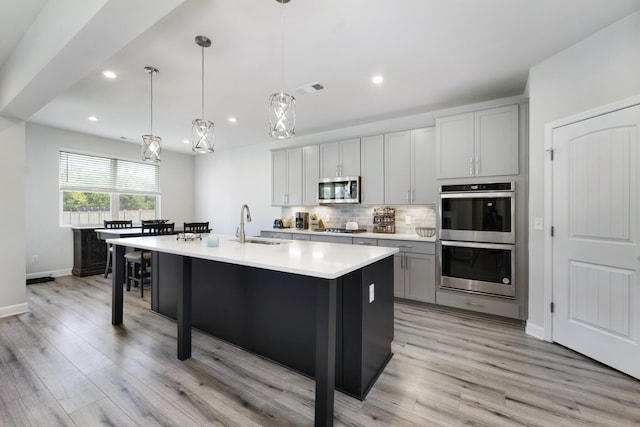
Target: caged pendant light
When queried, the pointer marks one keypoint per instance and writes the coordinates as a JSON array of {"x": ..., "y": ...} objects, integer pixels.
[
  {"x": 202, "y": 130},
  {"x": 151, "y": 143},
  {"x": 282, "y": 106}
]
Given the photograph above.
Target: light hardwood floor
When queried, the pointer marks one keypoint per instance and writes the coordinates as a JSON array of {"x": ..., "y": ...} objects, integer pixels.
[{"x": 63, "y": 363}]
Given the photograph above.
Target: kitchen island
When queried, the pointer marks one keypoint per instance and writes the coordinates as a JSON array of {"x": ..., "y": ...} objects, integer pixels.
[{"x": 323, "y": 309}]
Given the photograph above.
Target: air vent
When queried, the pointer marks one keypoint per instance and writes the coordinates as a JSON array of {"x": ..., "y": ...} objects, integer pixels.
[{"x": 308, "y": 88}]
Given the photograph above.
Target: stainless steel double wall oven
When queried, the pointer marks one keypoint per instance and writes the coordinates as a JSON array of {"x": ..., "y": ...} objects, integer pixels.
[{"x": 477, "y": 238}]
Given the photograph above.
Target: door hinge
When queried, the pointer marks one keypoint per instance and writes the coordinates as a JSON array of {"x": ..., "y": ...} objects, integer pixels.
[
  {"x": 553, "y": 307},
  {"x": 553, "y": 231}
]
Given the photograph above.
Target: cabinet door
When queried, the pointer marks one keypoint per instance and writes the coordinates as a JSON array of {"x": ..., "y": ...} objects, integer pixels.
[
  {"x": 340, "y": 158},
  {"x": 496, "y": 141},
  {"x": 311, "y": 172},
  {"x": 423, "y": 175},
  {"x": 350, "y": 157},
  {"x": 294, "y": 176},
  {"x": 279, "y": 178},
  {"x": 329, "y": 159},
  {"x": 398, "y": 275},
  {"x": 454, "y": 146},
  {"x": 397, "y": 166},
  {"x": 420, "y": 277},
  {"x": 372, "y": 170}
]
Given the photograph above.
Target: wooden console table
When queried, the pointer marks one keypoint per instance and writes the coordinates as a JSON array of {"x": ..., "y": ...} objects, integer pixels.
[{"x": 89, "y": 252}]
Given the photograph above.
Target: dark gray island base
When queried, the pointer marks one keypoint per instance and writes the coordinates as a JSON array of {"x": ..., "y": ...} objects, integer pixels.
[{"x": 274, "y": 314}]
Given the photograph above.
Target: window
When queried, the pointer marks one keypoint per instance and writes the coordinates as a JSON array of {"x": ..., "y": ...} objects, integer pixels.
[{"x": 94, "y": 189}]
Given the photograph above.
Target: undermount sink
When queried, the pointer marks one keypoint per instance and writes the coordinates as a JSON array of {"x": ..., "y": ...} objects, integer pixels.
[{"x": 261, "y": 241}]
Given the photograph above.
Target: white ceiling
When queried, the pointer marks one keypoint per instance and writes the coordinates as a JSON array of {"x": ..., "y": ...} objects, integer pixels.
[{"x": 433, "y": 54}]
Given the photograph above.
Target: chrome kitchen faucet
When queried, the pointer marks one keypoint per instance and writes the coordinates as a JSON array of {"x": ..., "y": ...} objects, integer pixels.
[{"x": 241, "y": 232}]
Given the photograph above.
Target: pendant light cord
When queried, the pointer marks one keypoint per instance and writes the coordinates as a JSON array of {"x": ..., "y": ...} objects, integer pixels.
[
  {"x": 202, "y": 82},
  {"x": 151, "y": 74},
  {"x": 282, "y": 34}
]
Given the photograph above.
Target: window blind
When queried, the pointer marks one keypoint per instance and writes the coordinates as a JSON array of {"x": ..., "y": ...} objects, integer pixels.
[{"x": 95, "y": 173}]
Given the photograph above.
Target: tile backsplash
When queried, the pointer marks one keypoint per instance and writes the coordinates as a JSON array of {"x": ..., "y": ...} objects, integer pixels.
[{"x": 338, "y": 216}]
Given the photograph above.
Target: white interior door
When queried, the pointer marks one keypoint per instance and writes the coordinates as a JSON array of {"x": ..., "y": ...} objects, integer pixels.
[{"x": 596, "y": 256}]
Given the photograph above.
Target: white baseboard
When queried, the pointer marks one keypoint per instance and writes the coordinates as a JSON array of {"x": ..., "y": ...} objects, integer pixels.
[
  {"x": 535, "y": 331},
  {"x": 53, "y": 273},
  {"x": 12, "y": 310}
]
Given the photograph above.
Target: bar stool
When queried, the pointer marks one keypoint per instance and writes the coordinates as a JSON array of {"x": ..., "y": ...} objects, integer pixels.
[
  {"x": 114, "y": 224},
  {"x": 138, "y": 263}
]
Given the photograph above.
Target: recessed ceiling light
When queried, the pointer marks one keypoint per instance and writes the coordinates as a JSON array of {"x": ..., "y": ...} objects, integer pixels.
[
  {"x": 93, "y": 118},
  {"x": 377, "y": 79},
  {"x": 232, "y": 120},
  {"x": 186, "y": 141},
  {"x": 109, "y": 74}
]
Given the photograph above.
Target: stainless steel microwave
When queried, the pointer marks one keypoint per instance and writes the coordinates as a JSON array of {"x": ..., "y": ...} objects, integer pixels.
[{"x": 339, "y": 190}]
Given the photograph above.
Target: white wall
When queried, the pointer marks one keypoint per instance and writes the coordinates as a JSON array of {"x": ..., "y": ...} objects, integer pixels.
[
  {"x": 601, "y": 69},
  {"x": 44, "y": 236},
  {"x": 226, "y": 180},
  {"x": 13, "y": 296}
]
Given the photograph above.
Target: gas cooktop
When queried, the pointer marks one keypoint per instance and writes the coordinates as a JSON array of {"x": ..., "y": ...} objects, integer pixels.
[{"x": 341, "y": 230}]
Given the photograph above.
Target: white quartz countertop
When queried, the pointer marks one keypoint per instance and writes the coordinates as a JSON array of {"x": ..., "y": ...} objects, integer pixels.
[
  {"x": 316, "y": 259},
  {"x": 366, "y": 234}
]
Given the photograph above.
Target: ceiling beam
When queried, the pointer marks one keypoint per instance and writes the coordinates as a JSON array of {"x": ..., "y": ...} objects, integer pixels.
[{"x": 67, "y": 40}]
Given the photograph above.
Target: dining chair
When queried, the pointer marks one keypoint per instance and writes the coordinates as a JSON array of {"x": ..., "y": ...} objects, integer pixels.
[
  {"x": 138, "y": 263},
  {"x": 109, "y": 225},
  {"x": 196, "y": 227}
]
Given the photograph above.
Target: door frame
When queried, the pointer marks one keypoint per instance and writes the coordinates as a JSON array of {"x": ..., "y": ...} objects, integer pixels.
[{"x": 548, "y": 196}]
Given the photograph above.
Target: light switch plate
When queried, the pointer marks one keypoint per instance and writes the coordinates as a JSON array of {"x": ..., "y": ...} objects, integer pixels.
[
  {"x": 538, "y": 224},
  {"x": 407, "y": 220},
  {"x": 372, "y": 292}
]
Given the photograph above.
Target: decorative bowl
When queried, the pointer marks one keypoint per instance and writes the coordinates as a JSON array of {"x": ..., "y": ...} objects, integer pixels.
[{"x": 426, "y": 231}]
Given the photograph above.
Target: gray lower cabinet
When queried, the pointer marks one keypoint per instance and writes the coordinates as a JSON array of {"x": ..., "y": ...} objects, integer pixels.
[{"x": 414, "y": 270}]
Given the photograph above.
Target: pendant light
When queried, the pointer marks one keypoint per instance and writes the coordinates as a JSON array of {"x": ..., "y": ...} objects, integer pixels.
[
  {"x": 151, "y": 143},
  {"x": 282, "y": 106},
  {"x": 202, "y": 130}
]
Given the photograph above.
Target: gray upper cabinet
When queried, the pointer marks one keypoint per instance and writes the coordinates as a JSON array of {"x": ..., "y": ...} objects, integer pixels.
[
  {"x": 409, "y": 167},
  {"x": 340, "y": 158},
  {"x": 480, "y": 143},
  {"x": 372, "y": 170},
  {"x": 286, "y": 177},
  {"x": 311, "y": 173}
]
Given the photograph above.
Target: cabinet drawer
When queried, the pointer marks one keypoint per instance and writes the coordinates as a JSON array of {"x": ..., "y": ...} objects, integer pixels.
[
  {"x": 275, "y": 235},
  {"x": 409, "y": 246},
  {"x": 332, "y": 239},
  {"x": 487, "y": 305},
  {"x": 365, "y": 241}
]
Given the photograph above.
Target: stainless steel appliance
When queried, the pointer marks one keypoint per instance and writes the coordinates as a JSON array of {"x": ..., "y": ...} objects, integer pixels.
[
  {"x": 478, "y": 212},
  {"x": 340, "y": 190},
  {"x": 476, "y": 248},
  {"x": 302, "y": 220},
  {"x": 478, "y": 267}
]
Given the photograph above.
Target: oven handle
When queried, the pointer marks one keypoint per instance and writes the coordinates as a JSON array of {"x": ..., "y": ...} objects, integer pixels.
[
  {"x": 476, "y": 244},
  {"x": 475, "y": 195}
]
